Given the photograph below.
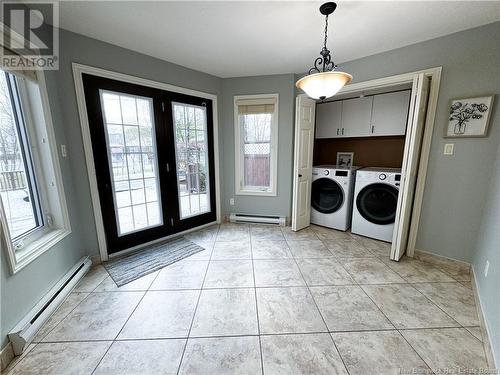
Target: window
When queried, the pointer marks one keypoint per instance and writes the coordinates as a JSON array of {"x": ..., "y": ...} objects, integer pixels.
[
  {"x": 256, "y": 144},
  {"x": 32, "y": 206},
  {"x": 132, "y": 152},
  {"x": 191, "y": 151}
]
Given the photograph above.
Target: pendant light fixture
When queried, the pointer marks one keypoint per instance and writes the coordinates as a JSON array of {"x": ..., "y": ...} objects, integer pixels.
[{"x": 323, "y": 80}]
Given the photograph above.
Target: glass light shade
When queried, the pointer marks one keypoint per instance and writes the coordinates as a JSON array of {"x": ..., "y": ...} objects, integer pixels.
[{"x": 323, "y": 85}]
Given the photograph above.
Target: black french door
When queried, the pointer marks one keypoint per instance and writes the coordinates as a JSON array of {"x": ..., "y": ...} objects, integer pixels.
[{"x": 154, "y": 160}]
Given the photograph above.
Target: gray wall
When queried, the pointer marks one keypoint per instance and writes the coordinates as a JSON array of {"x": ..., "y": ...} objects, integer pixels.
[
  {"x": 488, "y": 248},
  {"x": 23, "y": 290},
  {"x": 284, "y": 86}
]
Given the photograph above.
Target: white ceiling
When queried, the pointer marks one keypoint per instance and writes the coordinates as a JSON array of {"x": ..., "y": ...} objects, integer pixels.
[{"x": 230, "y": 39}]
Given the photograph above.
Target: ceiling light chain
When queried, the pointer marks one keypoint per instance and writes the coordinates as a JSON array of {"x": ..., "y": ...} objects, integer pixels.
[{"x": 323, "y": 80}]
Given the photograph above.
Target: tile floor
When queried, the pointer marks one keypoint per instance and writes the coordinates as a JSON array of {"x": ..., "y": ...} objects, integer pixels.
[{"x": 263, "y": 299}]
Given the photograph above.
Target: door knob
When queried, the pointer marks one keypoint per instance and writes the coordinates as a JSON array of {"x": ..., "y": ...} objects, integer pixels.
[{"x": 300, "y": 175}]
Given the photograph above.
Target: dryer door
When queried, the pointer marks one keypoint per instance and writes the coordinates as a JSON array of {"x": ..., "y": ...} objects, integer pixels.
[
  {"x": 327, "y": 195},
  {"x": 377, "y": 203}
]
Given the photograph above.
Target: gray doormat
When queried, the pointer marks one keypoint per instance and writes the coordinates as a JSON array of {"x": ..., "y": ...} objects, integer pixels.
[{"x": 150, "y": 259}]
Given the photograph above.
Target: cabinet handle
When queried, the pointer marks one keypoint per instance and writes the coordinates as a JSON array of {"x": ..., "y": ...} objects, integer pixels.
[
  {"x": 337, "y": 131},
  {"x": 373, "y": 128},
  {"x": 342, "y": 131}
]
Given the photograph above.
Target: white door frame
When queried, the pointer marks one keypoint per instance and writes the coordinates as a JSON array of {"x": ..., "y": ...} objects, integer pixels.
[
  {"x": 78, "y": 70},
  {"x": 405, "y": 78}
]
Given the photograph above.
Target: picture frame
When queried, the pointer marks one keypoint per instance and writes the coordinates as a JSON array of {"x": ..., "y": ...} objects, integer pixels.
[
  {"x": 345, "y": 159},
  {"x": 469, "y": 117}
]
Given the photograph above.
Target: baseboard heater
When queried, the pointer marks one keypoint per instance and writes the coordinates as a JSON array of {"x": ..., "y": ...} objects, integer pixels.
[
  {"x": 24, "y": 332},
  {"x": 258, "y": 219}
]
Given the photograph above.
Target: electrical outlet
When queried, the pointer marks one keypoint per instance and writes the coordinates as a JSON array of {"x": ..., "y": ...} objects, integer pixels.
[
  {"x": 231, "y": 201},
  {"x": 486, "y": 268},
  {"x": 448, "y": 148}
]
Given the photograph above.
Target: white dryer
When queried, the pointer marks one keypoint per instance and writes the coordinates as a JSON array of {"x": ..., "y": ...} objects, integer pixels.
[
  {"x": 375, "y": 202},
  {"x": 331, "y": 196}
]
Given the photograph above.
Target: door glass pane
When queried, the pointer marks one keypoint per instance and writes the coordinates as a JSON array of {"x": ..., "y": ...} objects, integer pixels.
[
  {"x": 130, "y": 136},
  {"x": 191, "y": 150},
  {"x": 327, "y": 196},
  {"x": 17, "y": 178}
]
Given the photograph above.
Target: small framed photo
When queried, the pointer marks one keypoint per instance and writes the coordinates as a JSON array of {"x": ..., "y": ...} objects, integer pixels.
[
  {"x": 345, "y": 159},
  {"x": 469, "y": 117}
]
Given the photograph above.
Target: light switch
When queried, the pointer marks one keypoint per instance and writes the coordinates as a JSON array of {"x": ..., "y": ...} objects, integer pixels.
[
  {"x": 448, "y": 148},
  {"x": 64, "y": 153}
]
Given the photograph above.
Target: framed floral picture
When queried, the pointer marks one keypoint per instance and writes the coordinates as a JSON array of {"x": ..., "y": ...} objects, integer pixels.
[{"x": 469, "y": 117}]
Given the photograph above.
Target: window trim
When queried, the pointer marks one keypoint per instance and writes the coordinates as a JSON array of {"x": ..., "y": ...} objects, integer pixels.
[
  {"x": 238, "y": 167},
  {"x": 44, "y": 150}
]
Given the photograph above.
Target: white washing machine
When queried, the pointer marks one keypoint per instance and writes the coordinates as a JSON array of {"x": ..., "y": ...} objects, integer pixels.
[
  {"x": 331, "y": 196},
  {"x": 375, "y": 202}
]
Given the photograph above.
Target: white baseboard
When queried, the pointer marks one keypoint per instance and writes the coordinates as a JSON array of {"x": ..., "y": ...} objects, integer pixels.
[
  {"x": 24, "y": 332},
  {"x": 485, "y": 331}
]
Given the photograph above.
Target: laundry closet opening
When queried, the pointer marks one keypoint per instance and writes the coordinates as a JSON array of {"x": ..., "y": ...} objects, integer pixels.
[{"x": 361, "y": 158}]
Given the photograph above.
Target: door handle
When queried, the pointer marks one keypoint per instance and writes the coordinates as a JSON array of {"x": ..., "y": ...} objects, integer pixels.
[
  {"x": 373, "y": 128},
  {"x": 337, "y": 131},
  {"x": 342, "y": 131}
]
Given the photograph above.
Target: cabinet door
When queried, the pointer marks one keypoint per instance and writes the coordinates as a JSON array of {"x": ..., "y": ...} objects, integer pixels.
[
  {"x": 356, "y": 115},
  {"x": 390, "y": 113},
  {"x": 328, "y": 120}
]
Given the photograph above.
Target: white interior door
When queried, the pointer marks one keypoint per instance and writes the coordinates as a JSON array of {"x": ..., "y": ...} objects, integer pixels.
[
  {"x": 411, "y": 158},
  {"x": 303, "y": 160}
]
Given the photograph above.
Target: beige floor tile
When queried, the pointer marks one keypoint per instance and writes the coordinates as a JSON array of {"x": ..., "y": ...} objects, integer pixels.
[
  {"x": 233, "y": 232},
  {"x": 288, "y": 310},
  {"x": 301, "y": 235},
  {"x": 270, "y": 250},
  {"x": 416, "y": 271},
  {"x": 208, "y": 234},
  {"x": 78, "y": 358},
  {"x": 455, "y": 299},
  {"x": 370, "y": 271},
  {"x": 92, "y": 279},
  {"x": 66, "y": 307},
  {"x": 99, "y": 317},
  {"x": 324, "y": 233},
  {"x": 266, "y": 232},
  {"x": 476, "y": 332},
  {"x": 301, "y": 354},
  {"x": 448, "y": 349},
  {"x": 378, "y": 248},
  {"x": 222, "y": 356},
  {"x": 18, "y": 358},
  {"x": 232, "y": 250},
  {"x": 348, "y": 248},
  {"x": 348, "y": 308},
  {"x": 185, "y": 274},
  {"x": 324, "y": 271},
  {"x": 406, "y": 307},
  {"x": 382, "y": 352},
  {"x": 141, "y": 284},
  {"x": 162, "y": 314},
  {"x": 277, "y": 272},
  {"x": 229, "y": 274},
  {"x": 225, "y": 312},
  {"x": 309, "y": 249},
  {"x": 142, "y": 357}
]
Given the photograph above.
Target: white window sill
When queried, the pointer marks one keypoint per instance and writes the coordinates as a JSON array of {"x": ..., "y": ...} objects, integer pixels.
[
  {"x": 36, "y": 248},
  {"x": 259, "y": 193}
]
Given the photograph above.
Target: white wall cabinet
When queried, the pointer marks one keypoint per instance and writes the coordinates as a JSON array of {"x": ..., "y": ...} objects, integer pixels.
[
  {"x": 390, "y": 113},
  {"x": 377, "y": 115},
  {"x": 329, "y": 120},
  {"x": 356, "y": 115}
]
